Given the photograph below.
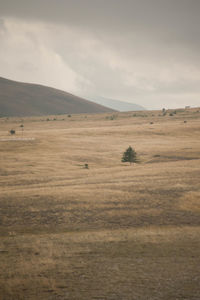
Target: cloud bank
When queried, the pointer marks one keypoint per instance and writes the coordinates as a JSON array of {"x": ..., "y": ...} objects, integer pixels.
[{"x": 144, "y": 52}]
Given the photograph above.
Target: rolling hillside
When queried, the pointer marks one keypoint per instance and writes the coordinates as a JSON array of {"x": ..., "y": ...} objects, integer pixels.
[
  {"x": 112, "y": 231},
  {"x": 24, "y": 99}
]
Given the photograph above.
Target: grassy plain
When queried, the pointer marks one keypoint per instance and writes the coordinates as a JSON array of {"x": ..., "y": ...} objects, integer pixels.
[{"x": 110, "y": 232}]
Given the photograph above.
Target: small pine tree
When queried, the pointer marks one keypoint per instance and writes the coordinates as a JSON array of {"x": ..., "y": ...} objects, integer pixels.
[{"x": 130, "y": 156}]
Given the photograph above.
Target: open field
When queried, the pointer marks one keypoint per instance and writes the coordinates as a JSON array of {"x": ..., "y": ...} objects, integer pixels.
[{"x": 111, "y": 232}]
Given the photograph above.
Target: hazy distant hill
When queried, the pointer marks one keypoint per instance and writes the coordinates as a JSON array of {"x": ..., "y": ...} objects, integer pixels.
[
  {"x": 24, "y": 99},
  {"x": 118, "y": 105}
]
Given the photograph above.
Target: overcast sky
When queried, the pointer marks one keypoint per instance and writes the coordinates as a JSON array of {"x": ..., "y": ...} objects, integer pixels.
[{"x": 141, "y": 51}]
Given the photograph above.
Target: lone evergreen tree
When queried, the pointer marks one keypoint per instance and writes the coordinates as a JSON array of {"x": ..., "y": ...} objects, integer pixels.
[{"x": 130, "y": 155}]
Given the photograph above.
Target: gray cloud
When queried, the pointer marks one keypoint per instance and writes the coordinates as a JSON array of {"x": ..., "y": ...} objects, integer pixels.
[
  {"x": 2, "y": 27},
  {"x": 170, "y": 19},
  {"x": 144, "y": 51}
]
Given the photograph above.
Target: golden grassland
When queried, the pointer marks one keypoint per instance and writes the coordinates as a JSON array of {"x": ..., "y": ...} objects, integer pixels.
[{"x": 113, "y": 231}]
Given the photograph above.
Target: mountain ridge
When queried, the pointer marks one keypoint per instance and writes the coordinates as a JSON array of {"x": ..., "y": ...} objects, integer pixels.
[
  {"x": 29, "y": 99},
  {"x": 118, "y": 104}
]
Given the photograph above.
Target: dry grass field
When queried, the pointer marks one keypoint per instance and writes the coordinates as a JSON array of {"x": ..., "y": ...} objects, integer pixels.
[{"x": 114, "y": 231}]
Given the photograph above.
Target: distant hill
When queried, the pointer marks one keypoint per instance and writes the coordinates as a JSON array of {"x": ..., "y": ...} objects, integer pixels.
[
  {"x": 117, "y": 104},
  {"x": 25, "y": 99}
]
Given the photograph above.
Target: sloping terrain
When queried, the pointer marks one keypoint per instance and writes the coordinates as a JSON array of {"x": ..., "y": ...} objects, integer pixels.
[
  {"x": 24, "y": 99},
  {"x": 112, "y": 231}
]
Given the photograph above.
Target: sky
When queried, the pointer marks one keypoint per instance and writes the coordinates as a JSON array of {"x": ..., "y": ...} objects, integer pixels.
[{"x": 140, "y": 51}]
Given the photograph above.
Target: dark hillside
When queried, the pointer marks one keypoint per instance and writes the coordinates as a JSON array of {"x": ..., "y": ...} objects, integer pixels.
[{"x": 24, "y": 99}]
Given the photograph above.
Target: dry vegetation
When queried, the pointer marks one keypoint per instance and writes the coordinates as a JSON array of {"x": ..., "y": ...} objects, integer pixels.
[{"x": 112, "y": 231}]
